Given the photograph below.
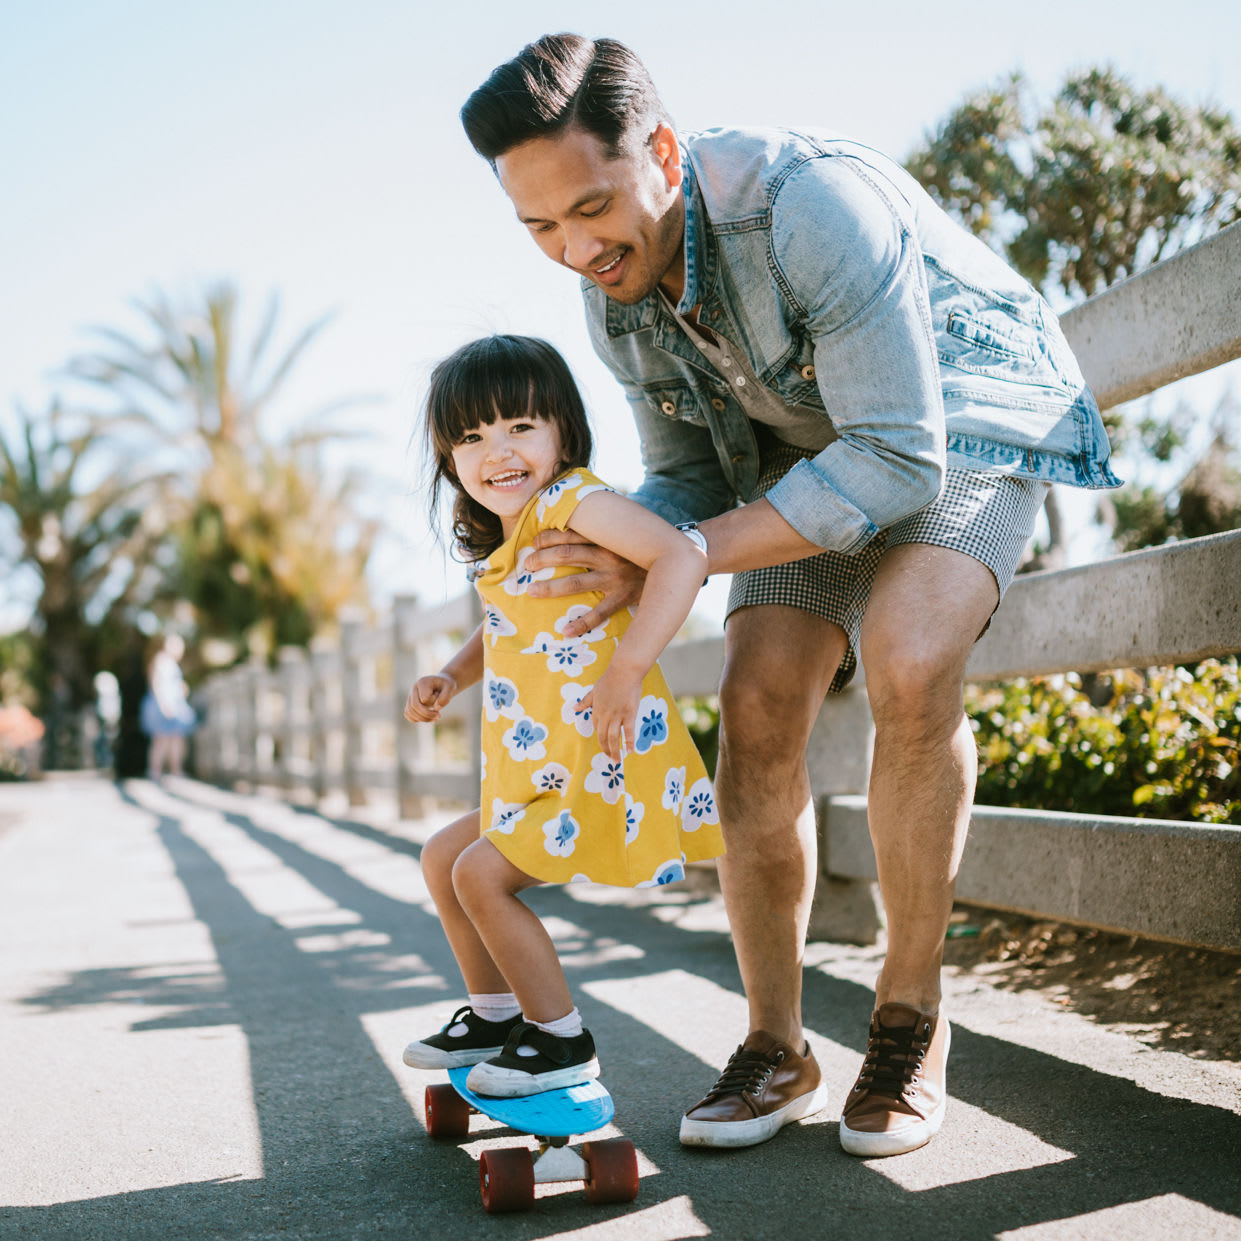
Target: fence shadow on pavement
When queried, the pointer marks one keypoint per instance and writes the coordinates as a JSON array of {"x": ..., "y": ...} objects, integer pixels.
[{"x": 345, "y": 1156}]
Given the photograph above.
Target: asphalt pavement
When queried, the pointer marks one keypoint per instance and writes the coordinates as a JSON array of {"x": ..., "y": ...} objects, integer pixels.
[{"x": 204, "y": 997}]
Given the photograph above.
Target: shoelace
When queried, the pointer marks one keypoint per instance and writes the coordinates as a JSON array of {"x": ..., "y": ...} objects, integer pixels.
[
  {"x": 894, "y": 1056},
  {"x": 745, "y": 1072}
]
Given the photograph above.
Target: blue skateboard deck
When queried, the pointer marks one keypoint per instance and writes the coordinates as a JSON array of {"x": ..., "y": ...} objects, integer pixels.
[{"x": 551, "y": 1114}]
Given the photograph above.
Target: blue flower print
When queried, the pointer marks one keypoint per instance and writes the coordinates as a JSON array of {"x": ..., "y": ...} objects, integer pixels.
[
  {"x": 699, "y": 806},
  {"x": 674, "y": 789},
  {"x": 551, "y": 778},
  {"x": 506, "y": 815},
  {"x": 500, "y": 698},
  {"x": 634, "y": 810},
  {"x": 560, "y": 834},
  {"x": 652, "y": 724},
  {"x": 567, "y": 655},
  {"x": 553, "y": 493},
  {"x": 670, "y": 872},
  {"x": 518, "y": 582},
  {"x": 606, "y": 778},
  {"x": 525, "y": 740},
  {"x": 497, "y": 624}
]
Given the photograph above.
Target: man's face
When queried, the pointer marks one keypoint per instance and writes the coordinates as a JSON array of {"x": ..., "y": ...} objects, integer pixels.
[{"x": 618, "y": 222}]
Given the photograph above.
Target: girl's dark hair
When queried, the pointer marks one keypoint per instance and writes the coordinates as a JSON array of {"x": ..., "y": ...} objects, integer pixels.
[
  {"x": 505, "y": 377},
  {"x": 559, "y": 81}
]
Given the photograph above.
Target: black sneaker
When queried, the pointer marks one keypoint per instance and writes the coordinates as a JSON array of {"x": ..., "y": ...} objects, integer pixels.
[
  {"x": 466, "y": 1039},
  {"x": 556, "y": 1063}
]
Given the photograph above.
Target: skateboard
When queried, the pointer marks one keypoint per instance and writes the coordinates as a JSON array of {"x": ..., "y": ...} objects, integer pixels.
[{"x": 507, "y": 1177}]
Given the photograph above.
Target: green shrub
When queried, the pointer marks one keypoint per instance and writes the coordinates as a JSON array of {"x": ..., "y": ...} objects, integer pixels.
[{"x": 1164, "y": 743}]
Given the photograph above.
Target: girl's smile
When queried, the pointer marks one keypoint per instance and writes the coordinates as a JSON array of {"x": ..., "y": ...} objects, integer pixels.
[{"x": 502, "y": 465}]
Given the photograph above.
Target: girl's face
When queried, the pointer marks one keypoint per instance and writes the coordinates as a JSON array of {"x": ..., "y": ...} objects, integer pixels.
[{"x": 503, "y": 465}]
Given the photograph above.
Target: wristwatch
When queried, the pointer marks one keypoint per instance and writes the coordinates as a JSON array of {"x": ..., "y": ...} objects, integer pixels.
[
  {"x": 695, "y": 536},
  {"x": 691, "y": 532}
]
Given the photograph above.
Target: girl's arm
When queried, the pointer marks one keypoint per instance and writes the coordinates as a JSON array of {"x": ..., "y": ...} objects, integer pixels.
[
  {"x": 430, "y": 694},
  {"x": 675, "y": 569}
]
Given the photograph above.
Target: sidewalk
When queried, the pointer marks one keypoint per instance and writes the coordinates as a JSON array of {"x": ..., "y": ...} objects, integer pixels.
[{"x": 205, "y": 997}]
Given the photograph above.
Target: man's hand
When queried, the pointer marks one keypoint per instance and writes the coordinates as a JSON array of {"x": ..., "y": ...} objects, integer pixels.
[
  {"x": 619, "y": 580},
  {"x": 429, "y": 695}
]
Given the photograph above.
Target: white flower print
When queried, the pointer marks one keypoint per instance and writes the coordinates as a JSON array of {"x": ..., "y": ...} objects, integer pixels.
[
  {"x": 551, "y": 778},
  {"x": 525, "y": 740},
  {"x": 652, "y": 724},
  {"x": 672, "y": 871},
  {"x": 518, "y": 582},
  {"x": 606, "y": 778},
  {"x": 674, "y": 789},
  {"x": 579, "y": 609},
  {"x": 560, "y": 834},
  {"x": 500, "y": 699},
  {"x": 580, "y": 878},
  {"x": 496, "y": 623},
  {"x": 567, "y": 655},
  {"x": 699, "y": 806},
  {"x": 505, "y": 815},
  {"x": 554, "y": 492},
  {"x": 634, "y": 810}
]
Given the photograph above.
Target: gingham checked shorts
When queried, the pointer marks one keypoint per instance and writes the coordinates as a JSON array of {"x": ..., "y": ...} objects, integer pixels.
[{"x": 984, "y": 514}]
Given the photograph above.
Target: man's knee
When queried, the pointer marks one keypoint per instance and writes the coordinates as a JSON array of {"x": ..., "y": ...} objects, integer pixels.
[{"x": 914, "y": 682}]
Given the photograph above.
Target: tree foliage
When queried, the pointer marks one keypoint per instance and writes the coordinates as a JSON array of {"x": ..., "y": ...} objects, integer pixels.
[
  {"x": 1164, "y": 743},
  {"x": 87, "y": 521},
  {"x": 269, "y": 546},
  {"x": 1105, "y": 180}
]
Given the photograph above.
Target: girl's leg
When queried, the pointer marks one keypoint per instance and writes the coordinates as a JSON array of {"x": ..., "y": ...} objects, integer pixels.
[
  {"x": 176, "y": 754},
  {"x": 439, "y": 856},
  {"x": 486, "y": 885}
]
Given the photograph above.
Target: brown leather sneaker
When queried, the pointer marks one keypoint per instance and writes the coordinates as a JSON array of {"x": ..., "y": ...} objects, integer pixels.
[
  {"x": 898, "y": 1102},
  {"x": 764, "y": 1086}
]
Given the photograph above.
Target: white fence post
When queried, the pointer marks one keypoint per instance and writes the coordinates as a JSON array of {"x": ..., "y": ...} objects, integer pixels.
[{"x": 351, "y": 701}]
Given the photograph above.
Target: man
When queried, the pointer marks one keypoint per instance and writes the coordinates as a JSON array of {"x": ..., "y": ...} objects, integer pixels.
[{"x": 863, "y": 408}]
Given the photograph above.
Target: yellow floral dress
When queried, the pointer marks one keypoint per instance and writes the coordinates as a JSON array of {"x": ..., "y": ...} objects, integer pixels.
[{"x": 552, "y": 802}]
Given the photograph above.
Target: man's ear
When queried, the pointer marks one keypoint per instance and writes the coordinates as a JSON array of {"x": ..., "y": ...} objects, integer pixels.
[{"x": 667, "y": 151}]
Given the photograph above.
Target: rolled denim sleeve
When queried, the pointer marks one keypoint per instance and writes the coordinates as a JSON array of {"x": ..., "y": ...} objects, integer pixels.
[{"x": 852, "y": 269}]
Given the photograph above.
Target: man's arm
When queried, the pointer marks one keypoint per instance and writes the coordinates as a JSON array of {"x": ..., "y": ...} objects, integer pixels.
[{"x": 863, "y": 300}]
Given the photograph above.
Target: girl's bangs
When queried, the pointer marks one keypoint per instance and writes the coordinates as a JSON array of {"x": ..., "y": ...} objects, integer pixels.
[{"x": 478, "y": 393}]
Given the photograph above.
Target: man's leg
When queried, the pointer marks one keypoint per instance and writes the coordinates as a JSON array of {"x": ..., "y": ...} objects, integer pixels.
[
  {"x": 779, "y": 662},
  {"x": 927, "y": 606}
]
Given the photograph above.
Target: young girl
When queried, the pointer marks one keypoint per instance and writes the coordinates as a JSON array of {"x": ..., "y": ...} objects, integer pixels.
[{"x": 589, "y": 773}]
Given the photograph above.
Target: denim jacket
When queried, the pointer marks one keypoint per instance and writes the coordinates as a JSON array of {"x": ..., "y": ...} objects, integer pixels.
[{"x": 858, "y": 301}]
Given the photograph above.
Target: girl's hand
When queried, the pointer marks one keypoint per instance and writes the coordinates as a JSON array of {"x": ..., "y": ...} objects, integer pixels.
[
  {"x": 428, "y": 697},
  {"x": 614, "y": 702}
]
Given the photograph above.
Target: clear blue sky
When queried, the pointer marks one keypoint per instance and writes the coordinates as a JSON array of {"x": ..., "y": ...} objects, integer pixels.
[{"x": 313, "y": 148}]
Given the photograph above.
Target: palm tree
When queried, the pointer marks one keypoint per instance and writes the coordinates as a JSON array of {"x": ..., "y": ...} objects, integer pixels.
[
  {"x": 88, "y": 524},
  {"x": 267, "y": 539}
]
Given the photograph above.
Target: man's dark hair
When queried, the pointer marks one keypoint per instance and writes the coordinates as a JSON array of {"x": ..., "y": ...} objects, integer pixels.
[{"x": 560, "y": 81}]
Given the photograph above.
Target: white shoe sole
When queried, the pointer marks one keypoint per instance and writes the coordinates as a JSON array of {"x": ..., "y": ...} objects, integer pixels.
[
  {"x": 423, "y": 1056},
  {"x": 501, "y": 1083},
  {"x": 751, "y": 1132},
  {"x": 894, "y": 1141},
  {"x": 897, "y": 1141}
]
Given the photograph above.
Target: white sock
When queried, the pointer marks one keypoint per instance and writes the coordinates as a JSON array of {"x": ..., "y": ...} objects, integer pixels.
[
  {"x": 496, "y": 1006},
  {"x": 567, "y": 1026}
]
